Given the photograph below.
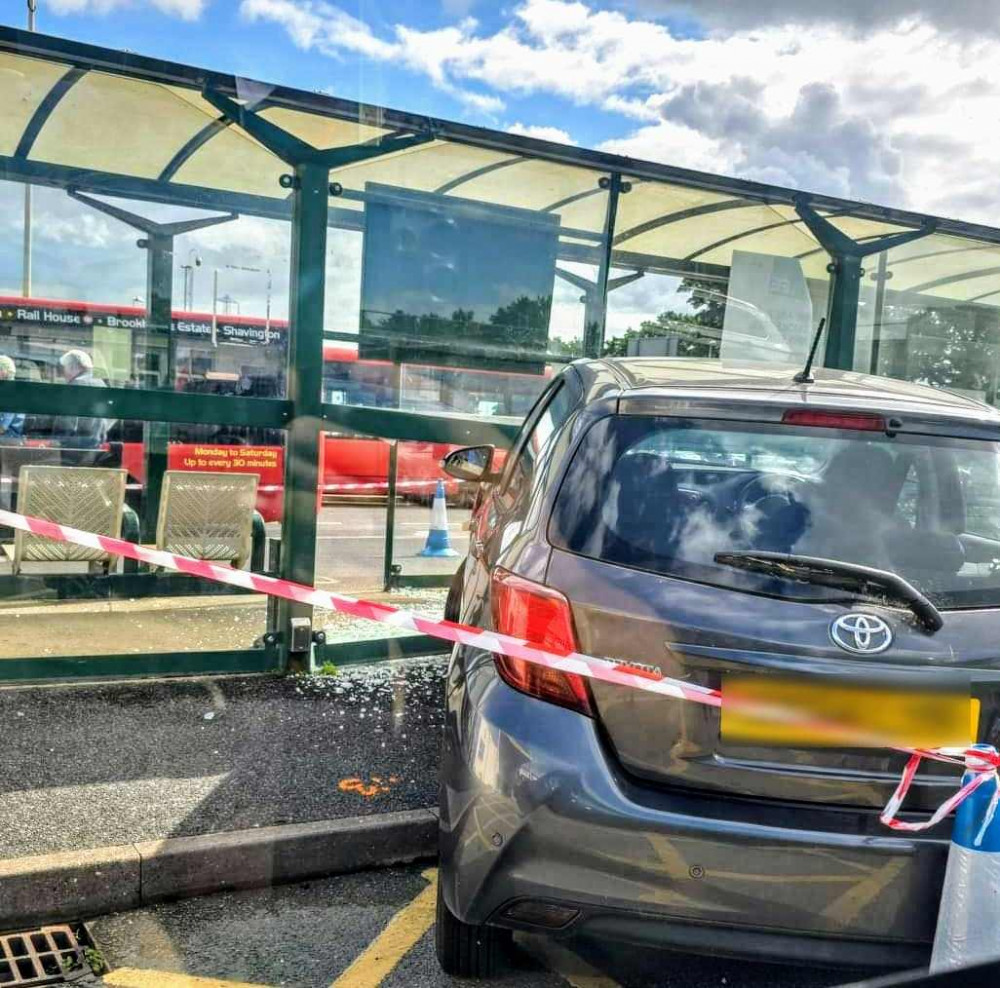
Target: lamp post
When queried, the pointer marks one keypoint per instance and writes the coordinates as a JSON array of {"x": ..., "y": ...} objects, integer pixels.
[
  {"x": 267, "y": 271},
  {"x": 188, "y": 270},
  {"x": 26, "y": 246}
]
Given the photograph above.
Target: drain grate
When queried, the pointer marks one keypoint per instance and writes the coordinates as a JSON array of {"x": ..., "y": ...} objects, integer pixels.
[{"x": 39, "y": 957}]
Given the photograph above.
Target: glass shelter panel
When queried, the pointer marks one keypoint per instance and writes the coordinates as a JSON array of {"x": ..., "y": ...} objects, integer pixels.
[
  {"x": 137, "y": 302},
  {"x": 698, "y": 274},
  {"x": 368, "y": 543},
  {"x": 457, "y": 276},
  {"x": 930, "y": 312},
  {"x": 218, "y": 487}
]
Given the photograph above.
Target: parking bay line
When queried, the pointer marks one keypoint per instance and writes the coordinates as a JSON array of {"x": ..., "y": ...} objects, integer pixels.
[
  {"x": 402, "y": 934},
  {"x": 569, "y": 965},
  {"x": 133, "y": 977}
]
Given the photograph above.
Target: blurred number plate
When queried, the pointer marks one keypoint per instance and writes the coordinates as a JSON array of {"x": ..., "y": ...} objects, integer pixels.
[{"x": 906, "y": 718}]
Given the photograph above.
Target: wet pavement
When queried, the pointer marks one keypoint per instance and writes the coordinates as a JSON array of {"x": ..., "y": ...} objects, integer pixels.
[
  {"x": 92, "y": 765},
  {"x": 376, "y": 928}
]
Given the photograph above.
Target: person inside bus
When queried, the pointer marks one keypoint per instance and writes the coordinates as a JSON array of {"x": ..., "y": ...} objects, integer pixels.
[
  {"x": 76, "y": 430},
  {"x": 11, "y": 423}
]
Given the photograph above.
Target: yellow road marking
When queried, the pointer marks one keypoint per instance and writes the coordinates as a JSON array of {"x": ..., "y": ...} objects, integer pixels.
[
  {"x": 572, "y": 968},
  {"x": 133, "y": 977},
  {"x": 847, "y": 907},
  {"x": 395, "y": 941}
]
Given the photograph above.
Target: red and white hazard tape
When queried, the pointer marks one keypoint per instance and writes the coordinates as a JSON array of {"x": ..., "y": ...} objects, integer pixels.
[
  {"x": 606, "y": 670},
  {"x": 985, "y": 764}
]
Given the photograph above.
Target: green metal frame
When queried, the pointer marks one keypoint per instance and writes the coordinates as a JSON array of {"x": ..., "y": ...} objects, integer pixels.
[
  {"x": 113, "y": 586},
  {"x": 388, "y": 568},
  {"x": 309, "y": 182},
  {"x": 380, "y": 649},
  {"x": 596, "y": 316},
  {"x": 847, "y": 255},
  {"x": 142, "y": 405},
  {"x": 304, "y": 200},
  {"x": 246, "y": 660},
  {"x": 86, "y": 56}
]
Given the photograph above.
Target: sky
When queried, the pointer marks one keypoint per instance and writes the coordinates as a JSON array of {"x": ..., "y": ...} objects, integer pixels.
[{"x": 894, "y": 102}]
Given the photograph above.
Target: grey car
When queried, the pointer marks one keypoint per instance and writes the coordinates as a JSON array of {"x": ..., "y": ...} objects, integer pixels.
[{"x": 728, "y": 526}]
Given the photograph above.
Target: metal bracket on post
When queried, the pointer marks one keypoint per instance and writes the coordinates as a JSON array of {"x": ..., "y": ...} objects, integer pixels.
[
  {"x": 309, "y": 183},
  {"x": 591, "y": 298},
  {"x": 846, "y": 270}
]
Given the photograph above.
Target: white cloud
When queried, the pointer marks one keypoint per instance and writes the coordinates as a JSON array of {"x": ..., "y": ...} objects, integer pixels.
[
  {"x": 969, "y": 17},
  {"x": 186, "y": 10},
  {"x": 331, "y": 30},
  {"x": 542, "y": 132},
  {"x": 674, "y": 144},
  {"x": 83, "y": 229},
  {"x": 901, "y": 110}
]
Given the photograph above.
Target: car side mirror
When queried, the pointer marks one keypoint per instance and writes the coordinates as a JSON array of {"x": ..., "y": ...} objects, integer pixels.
[{"x": 471, "y": 463}]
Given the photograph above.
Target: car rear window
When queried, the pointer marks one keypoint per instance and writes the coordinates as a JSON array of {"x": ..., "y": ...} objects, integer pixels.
[{"x": 667, "y": 494}]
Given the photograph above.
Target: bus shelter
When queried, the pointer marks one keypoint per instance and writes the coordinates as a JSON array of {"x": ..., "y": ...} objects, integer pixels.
[{"x": 383, "y": 287}]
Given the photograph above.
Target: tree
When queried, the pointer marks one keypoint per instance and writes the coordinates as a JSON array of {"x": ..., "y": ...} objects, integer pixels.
[
  {"x": 943, "y": 346},
  {"x": 689, "y": 330},
  {"x": 707, "y": 298},
  {"x": 525, "y": 319},
  {"x": 566, "y": 348}
]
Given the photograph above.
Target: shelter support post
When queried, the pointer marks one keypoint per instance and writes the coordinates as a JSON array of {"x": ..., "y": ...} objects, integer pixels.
[
  {"x": 591, "y": 297},
  {"x": 846, "y": 270},
  {"x": 597, "y": 311},
  {"x": 159, "y": 348},
  {"x": 307, "y": 286},
  {"x": 311, "y": 189}
]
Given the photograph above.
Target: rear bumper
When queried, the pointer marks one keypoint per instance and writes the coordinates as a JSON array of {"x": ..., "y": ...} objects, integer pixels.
[{"x": 532, "y": 808}]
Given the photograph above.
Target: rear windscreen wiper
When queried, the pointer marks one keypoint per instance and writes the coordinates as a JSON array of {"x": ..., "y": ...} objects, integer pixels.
[{"x": 838, "y": 574}]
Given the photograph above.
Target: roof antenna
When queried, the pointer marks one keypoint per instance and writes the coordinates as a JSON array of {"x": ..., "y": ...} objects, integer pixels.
[{"x": 804, "y": 376}]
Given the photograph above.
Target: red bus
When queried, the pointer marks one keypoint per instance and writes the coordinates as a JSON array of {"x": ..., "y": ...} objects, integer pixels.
[{"x": 245, "y": 355}]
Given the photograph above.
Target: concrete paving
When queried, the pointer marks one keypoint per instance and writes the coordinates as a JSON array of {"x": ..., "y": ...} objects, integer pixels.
[
  {"x": 93, "y": 765},
  {"x": 349, "y": 559},
  {"x": 334, "y": 931}
]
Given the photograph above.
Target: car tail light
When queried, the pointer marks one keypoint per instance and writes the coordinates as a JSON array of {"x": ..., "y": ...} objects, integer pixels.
[
  {"x": 834, "y": 420},
  {"x": 542, "y": 616}
]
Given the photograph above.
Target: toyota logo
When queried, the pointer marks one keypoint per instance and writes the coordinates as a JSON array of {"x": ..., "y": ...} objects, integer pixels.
[{"x": 862, "y": 633}]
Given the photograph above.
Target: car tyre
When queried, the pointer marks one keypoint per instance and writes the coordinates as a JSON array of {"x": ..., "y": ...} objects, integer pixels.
[{"x": 464, "y": 950}]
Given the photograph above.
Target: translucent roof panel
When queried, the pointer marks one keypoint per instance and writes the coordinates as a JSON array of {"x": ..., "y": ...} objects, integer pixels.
[
  {"x": 131, "y": 125},
  {"x": 498, "y": 178},
  {"x": 943, "y": 266},
  {"x": 648, "y": 215},
  {"x": 434, "y": 167},
  {"x": 110, "y": 123},
  {"x": 860, "y": 228},
  {"x": 775, "y": 230},
  {"x": 322, "y": 131},
  {"x": 233, "y": 161},
  {"x": 24, "y": 83},
  {"x": 675, "y": 222}
]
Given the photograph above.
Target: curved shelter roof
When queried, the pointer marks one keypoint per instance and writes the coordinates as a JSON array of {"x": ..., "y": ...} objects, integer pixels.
[{"x": 88, "y": 118}]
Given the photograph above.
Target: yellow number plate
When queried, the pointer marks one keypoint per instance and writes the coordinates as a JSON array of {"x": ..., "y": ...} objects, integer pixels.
[{"x": 825, "y": 713}]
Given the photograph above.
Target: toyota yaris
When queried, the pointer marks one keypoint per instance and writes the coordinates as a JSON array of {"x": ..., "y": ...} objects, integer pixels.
[{"x": 835, "y": 544}]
